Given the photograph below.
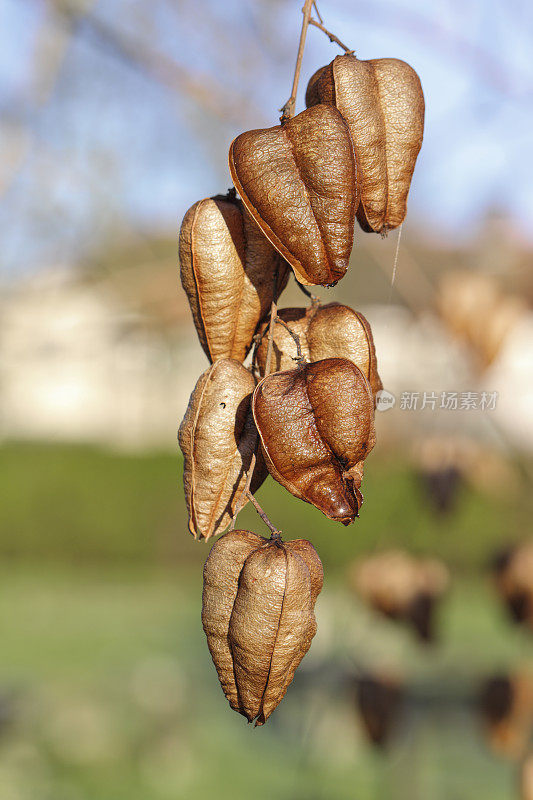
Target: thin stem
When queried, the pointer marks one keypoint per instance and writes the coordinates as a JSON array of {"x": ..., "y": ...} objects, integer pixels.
[
  {"x": 270, "y": 348},
  {"x": 296, "y": 338},
  {"x": 317, "y": 12},
  {"x": 242, "y": 497},
  {"x": 315, "y": 300},
  {"x": 262, "y": 513},
  {"x": 331, "y": 36},
  {"x": 287, "y": 112}
]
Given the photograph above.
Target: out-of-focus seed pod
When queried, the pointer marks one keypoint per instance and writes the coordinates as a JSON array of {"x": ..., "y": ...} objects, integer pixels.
[
  {"x": 316, "y": 425},
  {"x": 218, "y": 438},
  {"x": 514, "y": 582},
  {"x": 402, "y": 588},
  {"x": 506, "y": 706},
  {"x": 383, "y": 103},
  {"x": 298, "y": 181},
  {"x": 258, "y": 616},
  {"x": 231, "y": 274},
  {"x": 478, "y": 312},
  {"x": 378, "y": 700},
  {"x": 330, "y": 331}
]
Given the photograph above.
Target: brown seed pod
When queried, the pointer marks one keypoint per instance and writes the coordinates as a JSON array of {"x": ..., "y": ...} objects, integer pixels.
[
  {"x": 379, "y": 700},
  {"x": 218, "y": 438},
  {"x": 316, "y": 425},
  {"x": 383, "y": 103},
  {"x": 257, "y": 613},
  {"x": 506, "y": 706},
  {"x": 330, "y": 331},
  {"x": 402, "y": 587},
  {"x": 298, "y": 181},
  {"x": 230, "y": 273},
  {"x": 513, "y": 574}
]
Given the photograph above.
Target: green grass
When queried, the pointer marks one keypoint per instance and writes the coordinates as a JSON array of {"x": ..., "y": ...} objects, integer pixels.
[
  {"x": 112, "y": 694},
  {"x": 107, "y": 691}
]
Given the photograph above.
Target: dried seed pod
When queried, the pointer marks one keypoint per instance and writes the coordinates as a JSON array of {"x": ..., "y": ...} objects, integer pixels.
[
  {"x": 506, "y": 706},
  {"x": 383, "y": 103},
  {"x": 379, "y": 699},
  {"x": 257, "y": 612},
  {"x": 218, "y": 438},
  {"x": 402, "y": 587},
  {"x": 514, "y": 582},
  {"x": 298, "y": 181},
  {"x": 231, "y": 274},
  {"x": 316, "y": 425},
  {"x": 330, "y": 331}
]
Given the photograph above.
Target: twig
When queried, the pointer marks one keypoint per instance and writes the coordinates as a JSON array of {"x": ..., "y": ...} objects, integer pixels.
[
  {"x": 331, "y": 36},
  {"x": 296, "y": 338},
  {"x": 262, "y": 514},
  {"x": 287, "y": 112},
  {"x": 317, "y": 11},
  {"x": 270, "y": 348},
  {"x": 315, "y": 300},
  {"x": 241, "y": 502}
]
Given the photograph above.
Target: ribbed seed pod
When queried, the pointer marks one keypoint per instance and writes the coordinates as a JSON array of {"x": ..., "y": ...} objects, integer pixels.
[
  {"x": 383, "y": 103},
  {"x": 316, "y": 425},
  {"x": 298, "y": 181},
  {"x": 257, "y": 613},
  {"x": 218, "y": 438},
  {"x": 230, "y": 272},
  {"x": 330, "y": 331}
]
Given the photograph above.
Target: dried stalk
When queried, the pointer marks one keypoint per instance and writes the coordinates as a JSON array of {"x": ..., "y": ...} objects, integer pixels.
[
  {"x": 331, "y": 36},
  {"x": 287, "y": 112},
  {"x": 263, "y": 515}
]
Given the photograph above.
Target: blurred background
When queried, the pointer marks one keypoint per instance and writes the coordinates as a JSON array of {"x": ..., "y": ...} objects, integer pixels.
[{"x": 115, "y": 117}]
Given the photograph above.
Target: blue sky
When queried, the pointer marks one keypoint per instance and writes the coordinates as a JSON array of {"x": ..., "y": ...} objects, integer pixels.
[{"x": 103, "y": 147}]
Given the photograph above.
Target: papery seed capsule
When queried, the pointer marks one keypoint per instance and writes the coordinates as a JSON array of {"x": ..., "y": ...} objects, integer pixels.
[
  {"x": 383, "y": 103},
  {"x": 298, "y": 181},
  {"x": 258, "y": 616},
  {"x": 329, "y": 331},
  {"x": 231, "y": 274},
  {"x": 316, "y": 425},
  {"x": 218, "y": 438}
]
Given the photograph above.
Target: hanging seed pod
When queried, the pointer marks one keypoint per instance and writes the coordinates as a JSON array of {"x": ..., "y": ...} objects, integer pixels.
[
  {"x": 330, "y": 331},
  {"x": 379, "y": 700},
  {"x": 316, "y": 425},
  {"x": 258, "y": 617},
  {"x": 506, "y": 706},
  {"x": 218, "y": 438},
  {"x": 514, "y": 582},
  {"x": 403, "y": 588},
  {"x": 298, "y": 181},
  {"x": 383, "y": 103},
  {"x": 231, "y": 275}
]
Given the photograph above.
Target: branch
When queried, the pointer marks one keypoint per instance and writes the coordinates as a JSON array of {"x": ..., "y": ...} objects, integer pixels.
[
  {"x": 331, "y": 36},
  {"x": 287, "y": 112}
]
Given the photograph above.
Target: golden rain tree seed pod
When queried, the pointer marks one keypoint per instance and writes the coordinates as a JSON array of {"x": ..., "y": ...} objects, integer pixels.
[
  {"x": 514, "y": 582},
  {"x": 231, "y": 275},
  {"x": 383, "y": 103},
  {"x": 298, "y": 181},
  {"x": 258, "y": 616},
  {"x": 330, "y": 331},
  {"x": 218, "y": 438},
  {"x": 316, "y": 425},
  {"x": 402, "y": 587}
]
